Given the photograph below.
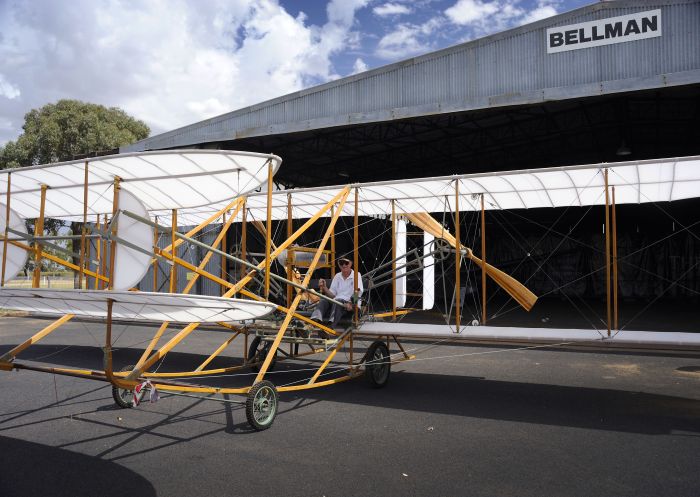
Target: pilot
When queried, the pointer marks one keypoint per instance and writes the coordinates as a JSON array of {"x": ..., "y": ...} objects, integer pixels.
[{"x": 342, "y": 290}]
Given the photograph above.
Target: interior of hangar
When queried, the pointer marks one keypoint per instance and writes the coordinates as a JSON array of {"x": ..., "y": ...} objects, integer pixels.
[{"x": 637, "y": 125}]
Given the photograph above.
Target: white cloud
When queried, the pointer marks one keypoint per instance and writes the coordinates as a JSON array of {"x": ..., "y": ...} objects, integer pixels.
[
  {"x": 359, "y": 66},
  {"x": 168, "y": 62},
  {"x": 469, "y": 11},
  {"x": 391, "y": 9},
  {"x": 408, "y": 39},
  {"x": 542, "y": 11},
  {"x": 483, "y": 17},
  {"x": 7, "y": 89}
]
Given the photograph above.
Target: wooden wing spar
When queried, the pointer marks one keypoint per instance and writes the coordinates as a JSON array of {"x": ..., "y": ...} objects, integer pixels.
[{"x": 515, "y": 289}]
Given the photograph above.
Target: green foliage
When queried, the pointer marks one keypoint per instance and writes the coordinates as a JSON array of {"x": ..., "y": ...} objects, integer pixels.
[
  {"x": 60, "y": 132},
  {"x": 70, "y": 128}
]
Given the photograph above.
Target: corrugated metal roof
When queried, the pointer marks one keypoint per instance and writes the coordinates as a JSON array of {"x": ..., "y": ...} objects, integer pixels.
[{"x": 508, "y": 68}]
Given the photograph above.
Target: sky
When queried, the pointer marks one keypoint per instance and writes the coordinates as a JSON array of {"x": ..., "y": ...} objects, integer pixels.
[{"x": 175, "y": 62}]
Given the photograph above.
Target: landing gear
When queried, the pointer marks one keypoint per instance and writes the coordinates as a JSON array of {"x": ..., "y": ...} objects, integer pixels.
[
  {"x": 377, "y": 364},
  {"x": 258, "y": 351},
  {"x": 261, "y": 405},
  {"x": 122, "y": 397}
]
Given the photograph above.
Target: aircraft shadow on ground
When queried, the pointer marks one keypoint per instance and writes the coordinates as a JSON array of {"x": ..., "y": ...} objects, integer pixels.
[
  {"x": 70, "y": 474},
  {"x": 456, "y": 395}
]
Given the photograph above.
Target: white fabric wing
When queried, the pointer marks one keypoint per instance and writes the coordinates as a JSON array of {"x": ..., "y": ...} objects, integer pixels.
[
  {"x": 16, "y": 256},
  {"x": 660, "y": 180},
  {"x": 162, "y": 180},
  {"x": 146, "y": 306},
  {"x": 130, "y": 266}
]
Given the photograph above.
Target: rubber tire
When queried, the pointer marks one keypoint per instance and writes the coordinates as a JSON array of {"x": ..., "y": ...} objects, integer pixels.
[
  {"x": 119, "y": 393},
  {"x": 261, "y": 388},
  {"x": 377, "y": 373},
  {"x": 256, "y": 353}
]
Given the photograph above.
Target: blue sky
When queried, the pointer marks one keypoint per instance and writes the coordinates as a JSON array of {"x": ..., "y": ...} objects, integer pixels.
[{"x": 175, "y": 62}]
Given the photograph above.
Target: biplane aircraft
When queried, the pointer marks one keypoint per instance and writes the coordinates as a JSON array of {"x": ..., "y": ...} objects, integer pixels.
[{"x": 126, "y": 203}]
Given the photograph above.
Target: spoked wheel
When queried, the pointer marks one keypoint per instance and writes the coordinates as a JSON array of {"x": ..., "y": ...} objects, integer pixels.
[
  {"x": 257, "y": 352},
  {"x": 261, "y": 405},
  {"x": 122, "y": 397},
  {"x": 377, "y": 364}
]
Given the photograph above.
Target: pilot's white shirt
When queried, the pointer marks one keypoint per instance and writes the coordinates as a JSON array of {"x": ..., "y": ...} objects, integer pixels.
[{"x": 343, "y": 288}]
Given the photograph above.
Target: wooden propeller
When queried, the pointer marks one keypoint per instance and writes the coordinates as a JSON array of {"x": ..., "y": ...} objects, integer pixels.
[{"x": 515, "y": 289}]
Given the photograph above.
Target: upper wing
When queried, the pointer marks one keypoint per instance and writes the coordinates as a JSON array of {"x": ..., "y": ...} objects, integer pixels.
[
  {"x": 163, "y": 180},
  {"x": 635, "y": 182}
]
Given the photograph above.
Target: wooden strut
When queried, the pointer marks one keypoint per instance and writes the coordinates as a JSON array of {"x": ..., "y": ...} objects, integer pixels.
[
  {"x": 328, "y": 359},
  {"x": 483, "y": 262},
  {"x": 614, "y": 261},
  {"x": 268, "y": 238},
  {"x": 241, "y": 267},
  {"x": 356, "y": 266},
  {"x": 289, "y": 261},
  {"x": 155, "y": 260},
  {"x": 88, "y": 255},
  {"x": 39, "y": 231},
  {"x": 405, "y": 354},
  {"x": 458, "y": 262},
  {"x": 607, "y": 250},
  {"x": 393, "y": 261},
  {"x": 290, "y": 230},
  {"x": 223, "y": 261},
  {"x": 113, "y": 244},
  {"x": 102, "y": 270},
  {"x": 108, "y": 369},
  {"x": 218, "y": 351},
  {"x": 332, "y": 261},
  {"x": 244, "y": 238},
  {"x": 98, "y": 255},
  {"x": 173, "y": 239},
  {"x": 84, "y": 228}
]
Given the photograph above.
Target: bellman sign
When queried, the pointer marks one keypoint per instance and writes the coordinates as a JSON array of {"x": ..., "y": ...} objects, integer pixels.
[{"x": 605, "y": 32}]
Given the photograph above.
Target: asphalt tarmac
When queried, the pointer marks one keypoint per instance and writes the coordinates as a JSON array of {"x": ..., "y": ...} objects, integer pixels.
[{"x": 461, "y": 420}]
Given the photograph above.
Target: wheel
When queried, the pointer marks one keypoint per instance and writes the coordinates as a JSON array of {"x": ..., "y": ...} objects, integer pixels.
[
  {"x": 123, "y": 397},
  {"x": 377, "y": 364},
  {"x": 257, "y": 352},
  {"x": 261, "y": 405}
]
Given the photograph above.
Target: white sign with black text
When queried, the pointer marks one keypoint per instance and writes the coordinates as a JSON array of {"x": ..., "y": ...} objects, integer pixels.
[{"x": 604, "y": 32}]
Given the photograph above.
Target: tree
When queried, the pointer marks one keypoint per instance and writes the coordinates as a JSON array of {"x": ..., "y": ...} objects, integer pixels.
[
  {"x": 64, "y": 131},
  {"x": 70, "y": 128}
]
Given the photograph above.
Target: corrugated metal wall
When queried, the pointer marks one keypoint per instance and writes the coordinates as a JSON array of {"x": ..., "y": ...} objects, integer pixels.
[{"x": 504, "y": 69}]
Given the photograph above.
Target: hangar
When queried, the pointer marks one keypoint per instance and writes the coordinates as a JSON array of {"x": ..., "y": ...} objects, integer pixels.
[{"x": 613, "y": 81}]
